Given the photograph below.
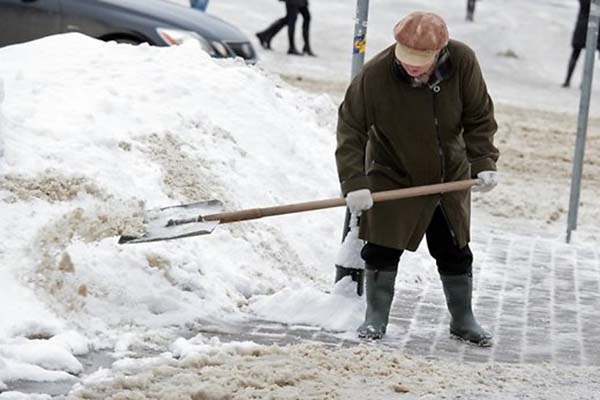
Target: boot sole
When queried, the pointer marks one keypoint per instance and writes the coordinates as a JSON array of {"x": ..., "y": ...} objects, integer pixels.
[
  {"x": 484, "y": 342},
  {"x": 370, "y": 337}
]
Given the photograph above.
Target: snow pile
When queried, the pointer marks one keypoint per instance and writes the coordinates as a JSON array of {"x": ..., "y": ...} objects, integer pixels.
[
  {"x": 341, "y": 309},
  {"x": 106, "y": 130}
]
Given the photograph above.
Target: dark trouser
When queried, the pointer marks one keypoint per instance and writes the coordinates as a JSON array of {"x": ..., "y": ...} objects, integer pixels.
[
  {"x": 470, "y": 9},
  {"x": 292, "y": 16},
  {"x": 572, "y": 63},
  {"x": 274, "y": 28},
  {"x": 450, "y": 259},
  {"x": 290, "y": 20}
]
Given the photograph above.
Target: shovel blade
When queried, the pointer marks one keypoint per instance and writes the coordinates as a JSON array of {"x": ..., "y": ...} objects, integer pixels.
[{"x": 158, "y": 223}]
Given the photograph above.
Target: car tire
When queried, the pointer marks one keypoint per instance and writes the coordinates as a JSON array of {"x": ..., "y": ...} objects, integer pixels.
[{"x": 124, "y": 40}]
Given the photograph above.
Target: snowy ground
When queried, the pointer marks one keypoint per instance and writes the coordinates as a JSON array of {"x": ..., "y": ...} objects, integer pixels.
[{"x": 92, "y": 132}]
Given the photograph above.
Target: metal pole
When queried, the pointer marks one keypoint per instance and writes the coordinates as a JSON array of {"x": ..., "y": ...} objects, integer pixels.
[
  {"x": 360, "y": 36},
  {"x": 584, "y": 109},
  {"x": 359, "y": 47}
]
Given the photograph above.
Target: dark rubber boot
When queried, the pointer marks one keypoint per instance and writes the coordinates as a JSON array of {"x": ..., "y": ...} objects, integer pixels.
[
  {"x": 458, "y": 290},
  {"x": 380, "y": 293}
]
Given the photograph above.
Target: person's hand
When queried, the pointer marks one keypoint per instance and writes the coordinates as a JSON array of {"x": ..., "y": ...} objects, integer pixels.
[
  {"x": 487, "y": 181},
  {"x": 359, "y": 200}
]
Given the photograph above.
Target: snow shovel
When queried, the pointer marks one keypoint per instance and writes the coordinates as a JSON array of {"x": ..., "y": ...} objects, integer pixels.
[{"x": 202, "y": 218}]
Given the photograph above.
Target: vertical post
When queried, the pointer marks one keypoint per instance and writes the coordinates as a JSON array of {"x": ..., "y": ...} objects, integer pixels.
[
  {"x": 359, "y": 46},
  {"x": 360, "y": 36},
  {"x": 582, "y": 121}
]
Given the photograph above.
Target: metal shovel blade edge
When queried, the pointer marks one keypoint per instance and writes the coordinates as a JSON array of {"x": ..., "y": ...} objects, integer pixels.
[{"x": 158, "y": 226}]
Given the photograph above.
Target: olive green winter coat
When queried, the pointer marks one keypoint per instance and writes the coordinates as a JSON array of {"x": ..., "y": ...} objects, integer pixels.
[{"x": 393, "y": 135}]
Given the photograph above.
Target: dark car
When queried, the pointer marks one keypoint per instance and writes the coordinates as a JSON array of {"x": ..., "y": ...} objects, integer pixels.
[{"x": 158, "y": 22}]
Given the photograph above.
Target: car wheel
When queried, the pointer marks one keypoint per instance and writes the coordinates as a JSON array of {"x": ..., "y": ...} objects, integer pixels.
[{"x": 131, "y": 41}]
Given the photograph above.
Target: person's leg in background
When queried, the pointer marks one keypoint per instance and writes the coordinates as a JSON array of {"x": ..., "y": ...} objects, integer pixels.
[
  {"x": 199, "y": 4},
  {"x": 456, "y": 273},
  {"x": 292, "y": 16},
  {"x": 265, "y": 37},
  {"x": 307, "y": 49},
  {"x": 381, "y": 268},
  {"x": 470, "y": 10},
  {"x": 572, "y": 63}
]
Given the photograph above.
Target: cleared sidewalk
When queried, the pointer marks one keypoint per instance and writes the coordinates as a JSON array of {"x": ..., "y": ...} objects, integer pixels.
[{"x": 538, "y": 297}]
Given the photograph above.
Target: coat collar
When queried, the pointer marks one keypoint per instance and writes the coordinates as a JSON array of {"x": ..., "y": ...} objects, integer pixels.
[{"x": 442, "y": 71}]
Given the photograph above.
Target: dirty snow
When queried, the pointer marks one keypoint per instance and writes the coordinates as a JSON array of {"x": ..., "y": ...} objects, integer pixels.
[{"x": 206, "y": 369}]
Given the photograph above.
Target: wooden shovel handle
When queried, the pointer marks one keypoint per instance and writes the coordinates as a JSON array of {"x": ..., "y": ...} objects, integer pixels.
[{"x": 256, "y": 213}]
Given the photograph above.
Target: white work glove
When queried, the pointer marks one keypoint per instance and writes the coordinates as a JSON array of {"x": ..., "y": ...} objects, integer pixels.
[
  {"x": 487, "y": 181},
  {"x": 359, "y": 200}
]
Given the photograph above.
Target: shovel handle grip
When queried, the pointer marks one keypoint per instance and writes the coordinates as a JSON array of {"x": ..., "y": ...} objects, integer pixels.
[{"x": 256, "y": 213}]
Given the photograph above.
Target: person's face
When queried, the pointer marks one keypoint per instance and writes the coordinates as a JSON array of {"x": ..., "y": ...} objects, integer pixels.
[{"x": 415, "y": 71}]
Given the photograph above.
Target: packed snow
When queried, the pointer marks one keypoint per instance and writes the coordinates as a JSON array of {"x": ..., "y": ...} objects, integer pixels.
[{"x": 92, "y": 134}]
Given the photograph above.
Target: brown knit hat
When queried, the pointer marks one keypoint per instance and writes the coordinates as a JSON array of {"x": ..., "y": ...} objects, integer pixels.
[{"x": 419, "y": 37}]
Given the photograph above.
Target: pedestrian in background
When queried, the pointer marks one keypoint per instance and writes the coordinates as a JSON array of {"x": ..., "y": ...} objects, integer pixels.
[
  {"x": 579, "y": 38},
  {"x": 418, "y": 113},
  {"x": 293, "y": 8},
  {"x": 199, "y": 4},
  {"x": 470, "y": 10}
]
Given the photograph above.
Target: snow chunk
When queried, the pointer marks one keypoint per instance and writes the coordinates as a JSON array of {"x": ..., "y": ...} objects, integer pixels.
[
  {"x": 14, "y": 370},
  {"x": 199, "y": 345},
  {"x": 349, "y": 253},
  {"x": 34, "y": 329},
  {"x": 42, "y": 353},
  {"x": 23, "y": 396}
]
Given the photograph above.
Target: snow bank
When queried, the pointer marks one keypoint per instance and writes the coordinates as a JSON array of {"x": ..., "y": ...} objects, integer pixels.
[{"x": 101, "y": 131}]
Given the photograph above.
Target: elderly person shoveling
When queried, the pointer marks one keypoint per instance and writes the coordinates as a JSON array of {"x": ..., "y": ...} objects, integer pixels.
[{"x": 419, "y": 113}]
